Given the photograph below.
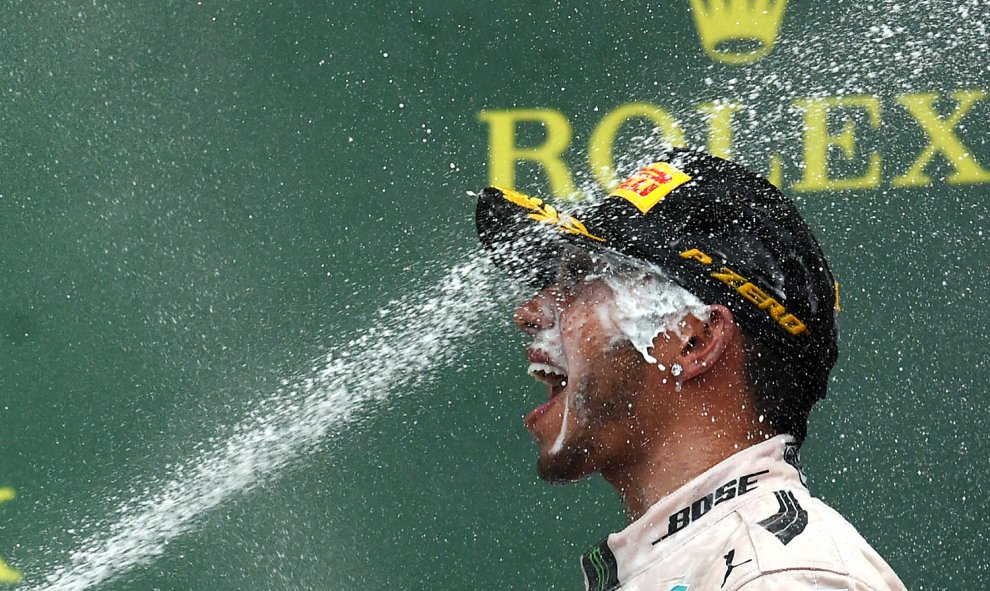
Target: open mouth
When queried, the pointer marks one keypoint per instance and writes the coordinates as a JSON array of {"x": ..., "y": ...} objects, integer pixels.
[
  {"x": 547, "y": 364},
  {"x": 554, "y": 377},
  {"x": 556, "y": 380}
]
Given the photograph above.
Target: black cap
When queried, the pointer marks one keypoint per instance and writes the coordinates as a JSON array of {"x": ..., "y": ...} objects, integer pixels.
[{"x": 723, "y": 233}]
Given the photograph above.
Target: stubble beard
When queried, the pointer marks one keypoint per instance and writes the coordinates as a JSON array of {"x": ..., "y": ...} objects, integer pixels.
[
  {"x": 581, "y": 454},
  {"x": 569, "y": 464},
  {"x": 595, "y": 406}
]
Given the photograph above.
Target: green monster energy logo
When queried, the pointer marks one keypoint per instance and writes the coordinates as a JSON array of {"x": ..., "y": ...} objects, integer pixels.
[{"x": 600, "y": 568}]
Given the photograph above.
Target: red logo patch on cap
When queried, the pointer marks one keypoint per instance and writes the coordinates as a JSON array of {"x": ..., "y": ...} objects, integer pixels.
[{"x": 649, "y": 186}]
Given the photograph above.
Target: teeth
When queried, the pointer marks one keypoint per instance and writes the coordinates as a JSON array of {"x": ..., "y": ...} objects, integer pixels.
[{"x": 534, "y": 368}]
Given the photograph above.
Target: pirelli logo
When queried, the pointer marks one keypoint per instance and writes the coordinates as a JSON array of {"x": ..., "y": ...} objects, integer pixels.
[
  {"x": 650, "y": 185},
  {"x": 748, "y": 290}
]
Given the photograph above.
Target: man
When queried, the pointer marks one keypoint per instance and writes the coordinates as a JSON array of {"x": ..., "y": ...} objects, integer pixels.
[{"x": 685, "y": 326}]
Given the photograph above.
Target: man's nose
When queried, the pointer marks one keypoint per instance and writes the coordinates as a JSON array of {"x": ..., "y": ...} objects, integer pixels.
[{"x": 536, "y": 314}]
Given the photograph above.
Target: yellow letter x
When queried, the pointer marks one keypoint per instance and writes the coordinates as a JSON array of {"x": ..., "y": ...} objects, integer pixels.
[
  {"x": 7, "y": 574},
  {"x": 942, "y": 139}
]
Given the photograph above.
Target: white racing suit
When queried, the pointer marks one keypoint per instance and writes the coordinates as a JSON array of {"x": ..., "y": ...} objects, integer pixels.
[{"x": 747, "y": 524}]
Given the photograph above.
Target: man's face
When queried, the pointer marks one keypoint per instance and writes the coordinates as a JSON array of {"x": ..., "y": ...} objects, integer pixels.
[{"x": 595, "y": 378}]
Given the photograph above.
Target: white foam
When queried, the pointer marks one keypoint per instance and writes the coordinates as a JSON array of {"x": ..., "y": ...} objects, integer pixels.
[
  {"x": 646, "y": 304},
  {"x": 549, "y": 340},
  {"x": 558, "y": 443}
]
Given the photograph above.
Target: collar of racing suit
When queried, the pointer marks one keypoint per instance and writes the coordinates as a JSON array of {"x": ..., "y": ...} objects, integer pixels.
[{"x": 697, "y": 505}]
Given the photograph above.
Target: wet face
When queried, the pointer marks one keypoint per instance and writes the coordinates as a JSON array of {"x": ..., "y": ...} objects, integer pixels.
[{"x": 596, "y": 380}]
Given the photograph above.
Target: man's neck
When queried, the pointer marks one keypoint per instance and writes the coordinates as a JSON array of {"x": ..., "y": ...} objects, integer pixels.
[{"x": 672, "y": 463}]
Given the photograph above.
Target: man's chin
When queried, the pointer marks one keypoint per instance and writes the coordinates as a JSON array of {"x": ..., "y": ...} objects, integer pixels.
[{"x": 568, "y": 465}]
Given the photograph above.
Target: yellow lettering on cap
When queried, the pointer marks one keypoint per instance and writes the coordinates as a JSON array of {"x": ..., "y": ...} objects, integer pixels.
[
  {"x": 753, "y": 294},
  {"x": 697, "y": 255},
  {"x": 792, "y": 325},
  {"x": 774, "y": 307},
  {"x": 649, "y": 186},
  {"x": 730, "y": 277}
]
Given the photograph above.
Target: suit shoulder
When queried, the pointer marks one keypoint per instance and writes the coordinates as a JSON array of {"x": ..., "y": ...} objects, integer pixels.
[{"x": 791, "y": 531}]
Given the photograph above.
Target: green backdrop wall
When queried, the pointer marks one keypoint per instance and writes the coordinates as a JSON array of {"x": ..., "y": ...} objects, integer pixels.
[{"x": 197, "y": 199}]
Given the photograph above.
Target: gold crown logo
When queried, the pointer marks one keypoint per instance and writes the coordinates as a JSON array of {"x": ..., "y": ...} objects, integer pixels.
[{"x": 738, "y": 31}]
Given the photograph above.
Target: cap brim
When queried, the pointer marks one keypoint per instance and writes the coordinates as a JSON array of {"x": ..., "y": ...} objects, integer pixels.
[{"x": 526, "y": 238}]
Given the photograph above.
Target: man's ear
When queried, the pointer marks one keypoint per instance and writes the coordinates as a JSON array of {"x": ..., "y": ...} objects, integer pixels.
[{"x": 707, "y": 341}]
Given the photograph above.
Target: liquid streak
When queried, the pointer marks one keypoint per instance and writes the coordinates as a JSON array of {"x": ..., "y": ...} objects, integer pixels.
[{"x": 413, "y": 336}]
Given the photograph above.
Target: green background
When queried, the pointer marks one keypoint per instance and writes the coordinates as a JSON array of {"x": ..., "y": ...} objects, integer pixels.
[{"x": 198, "y": 198}]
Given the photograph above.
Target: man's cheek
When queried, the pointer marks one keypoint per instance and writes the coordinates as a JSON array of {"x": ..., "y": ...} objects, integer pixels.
[
  {"x": 580, "y": 398},
  {"x": 598, "y": 401}
]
